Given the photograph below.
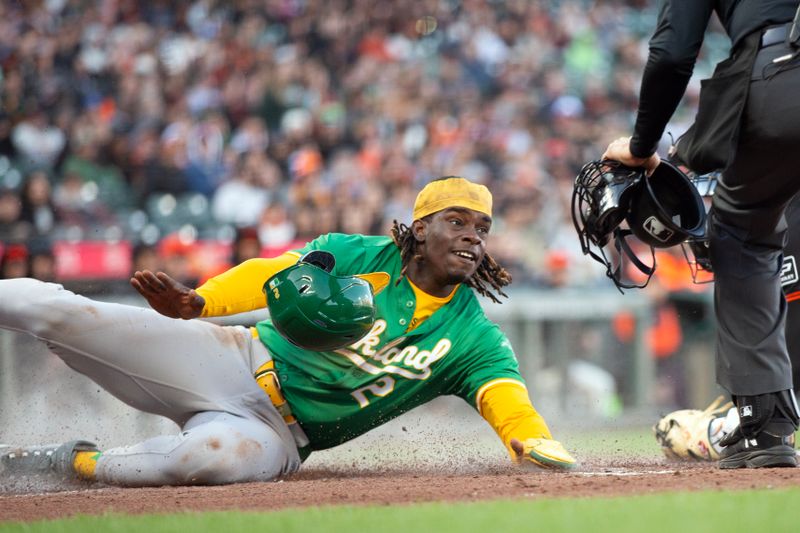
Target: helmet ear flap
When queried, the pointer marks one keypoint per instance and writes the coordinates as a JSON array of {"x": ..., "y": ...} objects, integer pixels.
[{"x": 319, "y": 258}]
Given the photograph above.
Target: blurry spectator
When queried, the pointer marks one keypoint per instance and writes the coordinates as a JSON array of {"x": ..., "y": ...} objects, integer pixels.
[
  {"x": 14, "y": 262},
  {"x": 246, "y": 246},
  {"x": 275, "y": 229},
  {"x": 71, "y": 201},
  {"x": 358, "y": 220},
  {"x": 326, "y": 219},
  {"x": 42, "y": 262},
  {"x": 176, "y": 253},
  {"x": 154, "y": 166},
  {"x": 556, "y": 271},
  {"x": 250, "y": 136},
  {"x": 6, "y": 145},
  {"x": 12, "y": 226},
  {"x": 332, "y": 132},
  {"x": 105, "y": 183},
  {"x": 305, "y": 171},
  {"x": 145, "y": 257},
  {"x": 305, "y": 223},
  {"x": 205, "y": 147},
  {"x": 664, "y": 336},
  {"x": 38, "y": 208},
  {"x": 37, "y": 141},
  {"x": 297, "y": 126},
  {"x": 241, "y": 199},
  {"x": 335, "y": 112}
]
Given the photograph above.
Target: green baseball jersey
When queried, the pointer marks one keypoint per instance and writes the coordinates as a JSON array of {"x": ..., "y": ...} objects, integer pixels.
[{"x": 337, "y": 396}]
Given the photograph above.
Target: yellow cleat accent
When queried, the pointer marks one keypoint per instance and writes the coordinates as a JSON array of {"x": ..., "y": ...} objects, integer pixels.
[
  {"x": 548, "y": 453},
  {"x": 85, "y": 463}
]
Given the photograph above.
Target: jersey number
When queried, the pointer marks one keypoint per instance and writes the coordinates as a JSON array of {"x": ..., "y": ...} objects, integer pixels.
[{"x": 380, "y": 388}]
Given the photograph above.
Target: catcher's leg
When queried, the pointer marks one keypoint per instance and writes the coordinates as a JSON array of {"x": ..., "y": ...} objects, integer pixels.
[{"x": 168, "y": 367}]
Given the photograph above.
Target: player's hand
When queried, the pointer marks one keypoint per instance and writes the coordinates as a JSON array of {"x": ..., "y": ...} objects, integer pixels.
[
  {"x": 547, "y": 453},
  {"x": 620, "y": 150},
  {"x": 168, "y": 296}
]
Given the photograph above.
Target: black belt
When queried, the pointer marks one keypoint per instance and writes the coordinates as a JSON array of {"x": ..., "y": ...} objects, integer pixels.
[{"x": 775, "y": 35}]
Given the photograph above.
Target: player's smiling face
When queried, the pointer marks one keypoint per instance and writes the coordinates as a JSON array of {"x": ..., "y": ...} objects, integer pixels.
[{"x": 452, "y": 244}]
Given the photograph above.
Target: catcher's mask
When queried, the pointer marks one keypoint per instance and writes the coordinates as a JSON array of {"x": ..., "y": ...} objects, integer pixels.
[
  {"x": 316, "y": 310},
  {"x": 660, "y": 210}
]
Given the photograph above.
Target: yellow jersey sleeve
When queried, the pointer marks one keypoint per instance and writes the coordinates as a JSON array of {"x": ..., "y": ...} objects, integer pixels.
[
  {"x": 239, "y": 289},
  {"x": 509, "y": 411}
]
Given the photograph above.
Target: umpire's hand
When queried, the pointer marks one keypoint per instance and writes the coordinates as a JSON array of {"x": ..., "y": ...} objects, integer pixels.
[
  {"x": 620, "y": 150},
  {"x": 168, "y": 296}
]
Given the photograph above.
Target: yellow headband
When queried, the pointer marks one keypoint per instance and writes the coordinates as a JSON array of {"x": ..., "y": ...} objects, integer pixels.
[{"x": 452, "y": 192}]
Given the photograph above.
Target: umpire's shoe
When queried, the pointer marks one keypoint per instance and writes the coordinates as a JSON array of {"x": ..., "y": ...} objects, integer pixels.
[
  {"x": 765, "y": 435},
  {"x": 52, "y": 459},
  {"x": 764, "y": 451}
]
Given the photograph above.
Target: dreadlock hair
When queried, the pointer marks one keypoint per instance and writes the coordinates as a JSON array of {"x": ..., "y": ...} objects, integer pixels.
[{"x": 488, "y": 272}]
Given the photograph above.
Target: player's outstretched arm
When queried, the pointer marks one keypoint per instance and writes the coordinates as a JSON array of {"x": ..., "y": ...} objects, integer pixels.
[
  {"x": 168, "y": 296},
  {"x": 508, "y": 409}
]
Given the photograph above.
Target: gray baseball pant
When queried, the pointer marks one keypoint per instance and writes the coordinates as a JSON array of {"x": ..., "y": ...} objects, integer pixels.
[{"x": 198, "y": 374}]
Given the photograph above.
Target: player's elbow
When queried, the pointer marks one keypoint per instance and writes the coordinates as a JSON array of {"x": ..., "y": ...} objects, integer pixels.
[{"x": 664, "y": 62}]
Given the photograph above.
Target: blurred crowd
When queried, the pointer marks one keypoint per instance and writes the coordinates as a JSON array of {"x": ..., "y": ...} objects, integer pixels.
[{"x": 270, "y": 122}]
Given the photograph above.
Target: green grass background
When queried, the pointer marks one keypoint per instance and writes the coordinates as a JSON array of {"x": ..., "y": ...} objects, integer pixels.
[{"x": 729, "y": 512}]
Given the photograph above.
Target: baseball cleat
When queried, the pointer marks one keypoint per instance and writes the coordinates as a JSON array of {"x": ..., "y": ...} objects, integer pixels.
[
  {"x": 764, "y": 451},
  {"x": 54, "y": 458}
]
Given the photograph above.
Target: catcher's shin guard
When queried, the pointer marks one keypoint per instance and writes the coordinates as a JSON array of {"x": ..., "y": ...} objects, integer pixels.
[{"x": 37, "y": 460}]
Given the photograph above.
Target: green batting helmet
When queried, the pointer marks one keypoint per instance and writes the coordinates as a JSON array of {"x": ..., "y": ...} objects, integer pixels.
[{"x": 316, "y": 310}]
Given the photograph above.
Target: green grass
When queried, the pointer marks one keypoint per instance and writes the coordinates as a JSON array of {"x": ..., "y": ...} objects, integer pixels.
[
  {"x": 626, "y": 442},
  {"x": 731, "y": 512}
]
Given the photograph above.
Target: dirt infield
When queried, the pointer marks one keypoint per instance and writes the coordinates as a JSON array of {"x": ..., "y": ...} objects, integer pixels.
[{"x": 325, "y": 487}]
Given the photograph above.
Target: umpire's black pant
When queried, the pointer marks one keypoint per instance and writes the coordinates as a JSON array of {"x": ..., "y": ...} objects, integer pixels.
[
  {"x": 790, "y": 278},
  {"x": 748, "y": 228}
]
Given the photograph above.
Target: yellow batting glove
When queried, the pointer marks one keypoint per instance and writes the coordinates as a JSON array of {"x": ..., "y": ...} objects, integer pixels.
[{"x": 547, "y": 453}]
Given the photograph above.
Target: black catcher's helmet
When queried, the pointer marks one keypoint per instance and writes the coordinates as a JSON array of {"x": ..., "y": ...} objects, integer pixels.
[{"x": 661, "y": 210}]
